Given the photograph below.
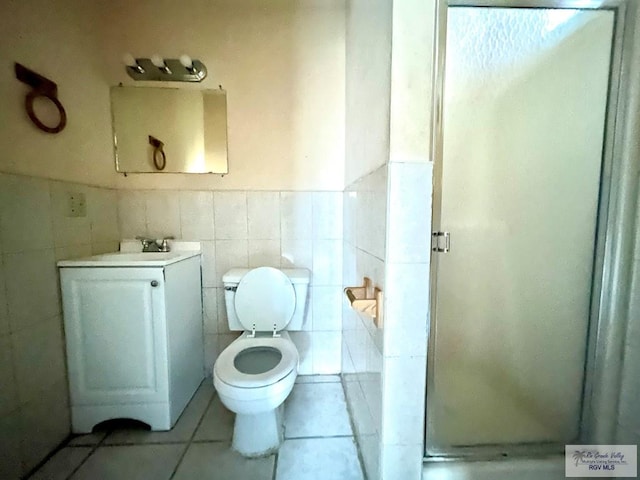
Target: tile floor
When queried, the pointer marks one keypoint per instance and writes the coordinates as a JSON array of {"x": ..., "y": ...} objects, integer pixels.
[{"x": 318, "y": 444}]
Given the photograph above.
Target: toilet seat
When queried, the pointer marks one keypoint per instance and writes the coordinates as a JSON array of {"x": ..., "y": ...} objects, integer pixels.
[
  {"x": 227, "y": 372},
  {"x": 265, "y": 300}
]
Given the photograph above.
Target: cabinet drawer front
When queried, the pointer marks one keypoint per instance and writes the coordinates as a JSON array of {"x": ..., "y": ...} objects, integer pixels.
[{"x": 116, "y": 335}]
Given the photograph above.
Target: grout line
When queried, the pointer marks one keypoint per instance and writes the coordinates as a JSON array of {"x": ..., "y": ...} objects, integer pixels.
[
  {"x": 190, "y": 441},
  {"x": 353, "y": 429},
  {"x": 95, "y": 448},
  {"x": 275, "y": 466},
  {"x": 319, "y": 437}
]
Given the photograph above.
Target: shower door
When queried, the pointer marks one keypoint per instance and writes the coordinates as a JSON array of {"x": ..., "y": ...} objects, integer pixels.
[{"x": 517, "y": 189}]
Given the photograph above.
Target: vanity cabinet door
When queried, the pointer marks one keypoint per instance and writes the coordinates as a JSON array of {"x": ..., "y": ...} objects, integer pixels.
[{"x": 116, "y": 335}]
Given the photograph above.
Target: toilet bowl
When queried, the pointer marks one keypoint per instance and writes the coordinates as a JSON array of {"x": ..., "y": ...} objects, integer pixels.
[
  {"x": 254, "y": 385},
  {"x": 255, "y": 374}
]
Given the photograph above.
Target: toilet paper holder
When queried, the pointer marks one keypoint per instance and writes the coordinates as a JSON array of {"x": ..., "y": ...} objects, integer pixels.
[{"x": 366, "y": 299}]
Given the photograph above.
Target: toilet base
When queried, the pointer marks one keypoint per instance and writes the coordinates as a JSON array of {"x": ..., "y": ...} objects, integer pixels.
[{"x": 258, "y": 435}]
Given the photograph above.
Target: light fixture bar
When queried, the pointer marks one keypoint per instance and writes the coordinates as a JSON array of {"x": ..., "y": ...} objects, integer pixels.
[{"x": 173, "y": 70}]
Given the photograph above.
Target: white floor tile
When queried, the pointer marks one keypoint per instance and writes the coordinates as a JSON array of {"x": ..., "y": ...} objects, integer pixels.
[
  {"x": 318, "y": 459},
  {"x": 217, "y": 461},
  {"x": 217, "y": 423},
  {"x": 88, "y": 440},
  {"x": 316, "y": 410},
  {"x": 181, "y": 432},
  {"x": 62, "y": 464},
  {"x": 132, "y": 462},
  {"x": 318, "y": 379}
]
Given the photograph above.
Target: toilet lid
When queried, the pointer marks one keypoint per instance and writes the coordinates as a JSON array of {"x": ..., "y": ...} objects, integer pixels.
[{"x": 265, "y": 297}]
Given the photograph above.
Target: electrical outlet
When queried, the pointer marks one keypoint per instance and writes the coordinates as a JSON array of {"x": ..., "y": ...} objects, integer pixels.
[{"x": 76, "y": 204}]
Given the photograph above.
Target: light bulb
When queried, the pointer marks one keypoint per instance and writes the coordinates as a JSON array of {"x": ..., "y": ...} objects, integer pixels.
[
  {"x": 186, "y": 61},
  {"x": 158, "y": 61},
  {"x": 128, "y": 60},
  {"x": 131, "y": 62}
]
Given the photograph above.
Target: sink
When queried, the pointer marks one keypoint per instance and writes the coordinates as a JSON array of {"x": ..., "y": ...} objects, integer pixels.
[
  {"x": 135, "y": 257},
  {"x": 129, "y": 259}
]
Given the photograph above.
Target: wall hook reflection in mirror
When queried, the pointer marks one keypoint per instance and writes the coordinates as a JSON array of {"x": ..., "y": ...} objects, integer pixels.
[
  {"x": 41, "y": 87},
  {"x": 159, "y": 157}
]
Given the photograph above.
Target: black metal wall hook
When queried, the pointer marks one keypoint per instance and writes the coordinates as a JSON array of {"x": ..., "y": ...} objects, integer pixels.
[
  {"x": 159, "y": 157},
  {"x": 41, "y": 87}
]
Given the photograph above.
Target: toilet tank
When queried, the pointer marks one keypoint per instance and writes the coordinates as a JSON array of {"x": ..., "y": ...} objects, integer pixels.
[{"x": 299, "y": 278}]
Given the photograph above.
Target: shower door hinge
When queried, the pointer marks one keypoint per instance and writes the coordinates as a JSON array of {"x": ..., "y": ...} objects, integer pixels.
[{"x": 440, "y": 242}]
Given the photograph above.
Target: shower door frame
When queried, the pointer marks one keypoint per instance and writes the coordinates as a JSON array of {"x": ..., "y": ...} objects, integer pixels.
[{"x": 615, "y": 208}]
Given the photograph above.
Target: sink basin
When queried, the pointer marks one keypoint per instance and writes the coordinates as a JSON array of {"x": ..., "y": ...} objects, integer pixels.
[{"x": 129, "y": 259}]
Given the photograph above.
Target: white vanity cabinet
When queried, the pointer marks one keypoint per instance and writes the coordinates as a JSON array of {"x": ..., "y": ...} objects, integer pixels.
[{"x": 134, "y": 337}]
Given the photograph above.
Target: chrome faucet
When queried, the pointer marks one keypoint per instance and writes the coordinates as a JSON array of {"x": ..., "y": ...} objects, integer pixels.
[{"x": 153, "y": 245}]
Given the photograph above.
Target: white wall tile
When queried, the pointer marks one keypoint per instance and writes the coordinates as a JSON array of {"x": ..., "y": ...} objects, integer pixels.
[
  {"x": 350, "y": 202},
  {"x": 326, "y": 352},
  {"x": 210, "y": 310},
  {"x": 25, "y": 214},
  {"x": 264, "y": 253},
  {"x": 406, "y": 309},
  {"x": 327, "y": 308},
  {"x": 132, "y": 213},
  {"x": 263, "y": 214},
  {"x": 211, "y": 352},
  {"x": 403, "y": 400},
  {"x": 402, "y": 461},
  {"x": 33, "y": 275},
  {"x": 68, "y": 230},
  {"x": 73, "y": 251},
  {"x": 45, "y": 424},
  {"x": 327, "y": 262},
  {"x": 208, "y": 263},
  {"x": 10, "y": 454},
  {"x": 327, "y": 215},
  {"x": 347, "y": 366},
  {"x": 230, "y": 254},
  {"x": 296, "y": 253},
  {"x": 409, "y": 226},
  {"x": 8, "y": 392},
  {"x": 105, "y": 247},
  {"x": 225, "y": 339},
  {"x": 163, "y": 214},
  {"x": 223, "y": 321},
  {"x": 302, "y": 341},
  {"x": 296, "y": 209},
  {"x": 4, "y": 316},
  {"x": 370, "y": 450},
  {"x": 39, "y": 358},
  {"x": 196, "y": 215},
  {"x": 230, "y": 215},
  {"x": 102, "y": 210}
]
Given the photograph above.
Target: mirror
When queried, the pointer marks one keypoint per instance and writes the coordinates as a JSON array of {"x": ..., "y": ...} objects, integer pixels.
[{"x": 169, "y": 130}]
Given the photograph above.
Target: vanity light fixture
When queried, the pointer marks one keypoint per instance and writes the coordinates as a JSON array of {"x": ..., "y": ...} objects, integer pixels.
[{"x": 161, "y": 69}]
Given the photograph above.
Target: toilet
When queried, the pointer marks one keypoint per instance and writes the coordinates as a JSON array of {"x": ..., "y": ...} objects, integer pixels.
[{"x": 255, "y": 374}]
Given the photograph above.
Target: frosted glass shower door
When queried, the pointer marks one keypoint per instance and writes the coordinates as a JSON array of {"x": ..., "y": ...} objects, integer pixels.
[{"x": 524, "y": 121}]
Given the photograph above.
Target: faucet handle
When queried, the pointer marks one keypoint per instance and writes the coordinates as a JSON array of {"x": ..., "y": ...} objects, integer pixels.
[
  {"x": 145, "y": 241},
  {"x": 164, "y": 247}
]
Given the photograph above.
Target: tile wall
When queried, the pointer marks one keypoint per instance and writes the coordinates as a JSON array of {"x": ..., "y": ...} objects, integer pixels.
[
  {"x": 387, "y": 224},
  {"x": 406, "y": 319},
  {"x": 249, "y": 229},
  {"x": 365, "y": 205},
  {"x": 35, "y": 232}
]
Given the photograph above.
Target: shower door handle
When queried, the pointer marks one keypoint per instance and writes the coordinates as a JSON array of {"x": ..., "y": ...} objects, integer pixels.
[{"x": 440, "y": 242}]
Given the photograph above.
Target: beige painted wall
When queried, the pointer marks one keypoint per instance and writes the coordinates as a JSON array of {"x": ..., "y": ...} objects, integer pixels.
[
  {"x": 56, "y": 40},
  {"x": 411, "y": 80},
  {"x": 368, "y": 85},
  {"x": 282, "y": 64}
]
